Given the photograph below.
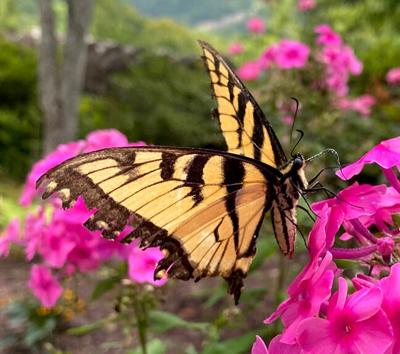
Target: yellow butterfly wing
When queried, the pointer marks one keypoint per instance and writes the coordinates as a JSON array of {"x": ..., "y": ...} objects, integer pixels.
[
  {"x": 243, "y": 124},
  {"x": 203, "y": 208}
]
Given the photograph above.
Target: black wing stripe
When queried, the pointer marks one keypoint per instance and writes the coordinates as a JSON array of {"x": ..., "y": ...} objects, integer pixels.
[
  {"x": 234, "y": 173},
  {"x": 195, "y": 175},
  {"x": 167, "y": 165}
]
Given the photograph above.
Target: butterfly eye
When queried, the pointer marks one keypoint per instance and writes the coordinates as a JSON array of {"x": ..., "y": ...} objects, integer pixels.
[{"x": 298, "y": 162}]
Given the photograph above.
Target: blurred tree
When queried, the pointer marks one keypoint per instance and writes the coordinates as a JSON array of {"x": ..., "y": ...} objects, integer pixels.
[{"x": 60, "y": 84}]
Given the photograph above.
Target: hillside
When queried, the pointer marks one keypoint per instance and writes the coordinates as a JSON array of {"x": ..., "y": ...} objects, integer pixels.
[{"x": 205, "y": 14}]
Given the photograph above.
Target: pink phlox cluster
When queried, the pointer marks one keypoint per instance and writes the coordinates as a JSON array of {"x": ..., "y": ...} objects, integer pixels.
[
  {"x": 339, "y": 60},
  {"x": 306, "y": 5},
  {"x": 353, "y": 324},
  {"x": 57, "y": 240},
  {"x": 9, "y": 236},
  {"x": 286, "y": 54},
  {"x": 315, "y": 320},
  {"x": 393, "y": 76},
  {"x": 235, "y": 48},
  {"x": 362, "y": 104},
  {"x": 44, "y": 285},
  {"x": 307, "y": 293},
  {"x": 256, "y": 25},
  {"x": 251, "y": 70}
]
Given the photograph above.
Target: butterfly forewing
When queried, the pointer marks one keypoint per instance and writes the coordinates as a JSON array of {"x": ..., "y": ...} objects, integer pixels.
[
  {"x": 204, "y": 208},
  {"x": 243, "y": 124}
]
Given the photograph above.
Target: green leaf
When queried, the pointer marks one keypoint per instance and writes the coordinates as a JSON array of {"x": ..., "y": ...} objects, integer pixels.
[
  {"x": 104, "y": 286},
  {"x": 90, "y": 327},
  {"x": 238, "y": 345},
  {"x": 37, "y": 332},
  {"x": 191, "y": 350},
  {"x": 164, "y": 321},
  {"x": 155, "y": 346}
]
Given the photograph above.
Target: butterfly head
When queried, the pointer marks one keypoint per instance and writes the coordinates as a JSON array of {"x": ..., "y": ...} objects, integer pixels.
[
  {"x": 298, "y": 162},
  {"x": 294, "y": 170}
]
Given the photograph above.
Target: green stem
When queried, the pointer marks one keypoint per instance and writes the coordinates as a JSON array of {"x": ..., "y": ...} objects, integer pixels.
[{"x": 142, "y": 321}]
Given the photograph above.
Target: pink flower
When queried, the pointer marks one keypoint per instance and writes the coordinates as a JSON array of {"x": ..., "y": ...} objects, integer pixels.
[
  {"x": 44, "y": 286},
  {"x": 361, "y": 104},
  {"x": 327, "y": 36},
  {"x": 101, "y": 139},
  {"x": 250, "y": 70},
  {"x": 142, "y": 264},
  {"x": 287, "y": 120},
  {"x": 306, "y": 5},
  {"x": 10, "y": 235},
  {"x": 393, "y": 76},
  {"x": 340, "y": 61},
  {"x": 34, "y": 227},
  {"x": 390, "y": 287},
  {"x": 354, "y": 324},
  {"x": 235, "y": 48},
  {"x": 259, "y": 347},
  {"x": 291, "y": 54},
  {"x": 275, "y": 347},
  {"x": 350, "y": 61},
  {"x": 306, "y": 294},
  {"x": 322, "y": 235},
  {"x": 386, "y": 155},
  {"x": 354, "y": 201},
  {"x": 256, "y": 25},
  {"x": 268, "y": 57},
  {"x": 55, "y": 245}
]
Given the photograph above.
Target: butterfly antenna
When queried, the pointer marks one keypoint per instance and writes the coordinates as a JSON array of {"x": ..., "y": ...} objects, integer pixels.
[
  {"x": 326, "y": 151},
  {"x": 294, "y": 116},
  {"x": 298, "y": 141}
]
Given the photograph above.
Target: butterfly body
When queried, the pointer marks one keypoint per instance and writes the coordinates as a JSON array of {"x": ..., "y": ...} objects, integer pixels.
[{"x": 203, "y": 208}]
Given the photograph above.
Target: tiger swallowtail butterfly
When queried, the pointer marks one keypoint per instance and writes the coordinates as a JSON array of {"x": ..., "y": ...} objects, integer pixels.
[{"x": 203, "y": 208}]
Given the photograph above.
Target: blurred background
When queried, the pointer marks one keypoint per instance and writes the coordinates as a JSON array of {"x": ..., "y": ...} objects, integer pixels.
[{"x": 69, "y": 68}]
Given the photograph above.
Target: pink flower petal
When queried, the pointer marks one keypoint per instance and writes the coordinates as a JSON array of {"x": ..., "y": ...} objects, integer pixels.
[
  {"x": 364, "y": 303},
  {"x": 386, "y": 154},
  {"x": 250, "y": 70},
  {"x": 256, "y": 25},
  {"x": 314, "y": 336},
  {"x": 142, "y": 264},
  {"x": 259, "y": 346},
  {"x": 393, "y": 76},
  {"x": 291, "y": 54},
  {"x": 44, "y": 286},
  {"x": 278, "y": 347},
  {"x": 235, "y": 48},
  {"x": 373, "y": 335}
]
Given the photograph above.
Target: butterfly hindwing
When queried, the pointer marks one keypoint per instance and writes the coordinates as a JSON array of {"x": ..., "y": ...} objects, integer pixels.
[
  {"x": 242, "y": 122},
  {"x": 203, "y": 208}
]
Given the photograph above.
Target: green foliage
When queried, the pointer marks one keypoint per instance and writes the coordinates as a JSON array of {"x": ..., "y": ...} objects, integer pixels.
[
  {"x": 174, "y": 110},
  {"x": 9, "y": 195},
  {"x": 17, "y": 15},
  {"x": 17, "y": 75},
  {"x": 19, "y": 116},
  {"x": 33, "y": 326},
  {"x": 133, "y": 29}
]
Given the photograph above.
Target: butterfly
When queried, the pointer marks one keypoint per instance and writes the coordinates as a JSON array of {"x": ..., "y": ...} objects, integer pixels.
[{"x": 203, "y": 208}]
